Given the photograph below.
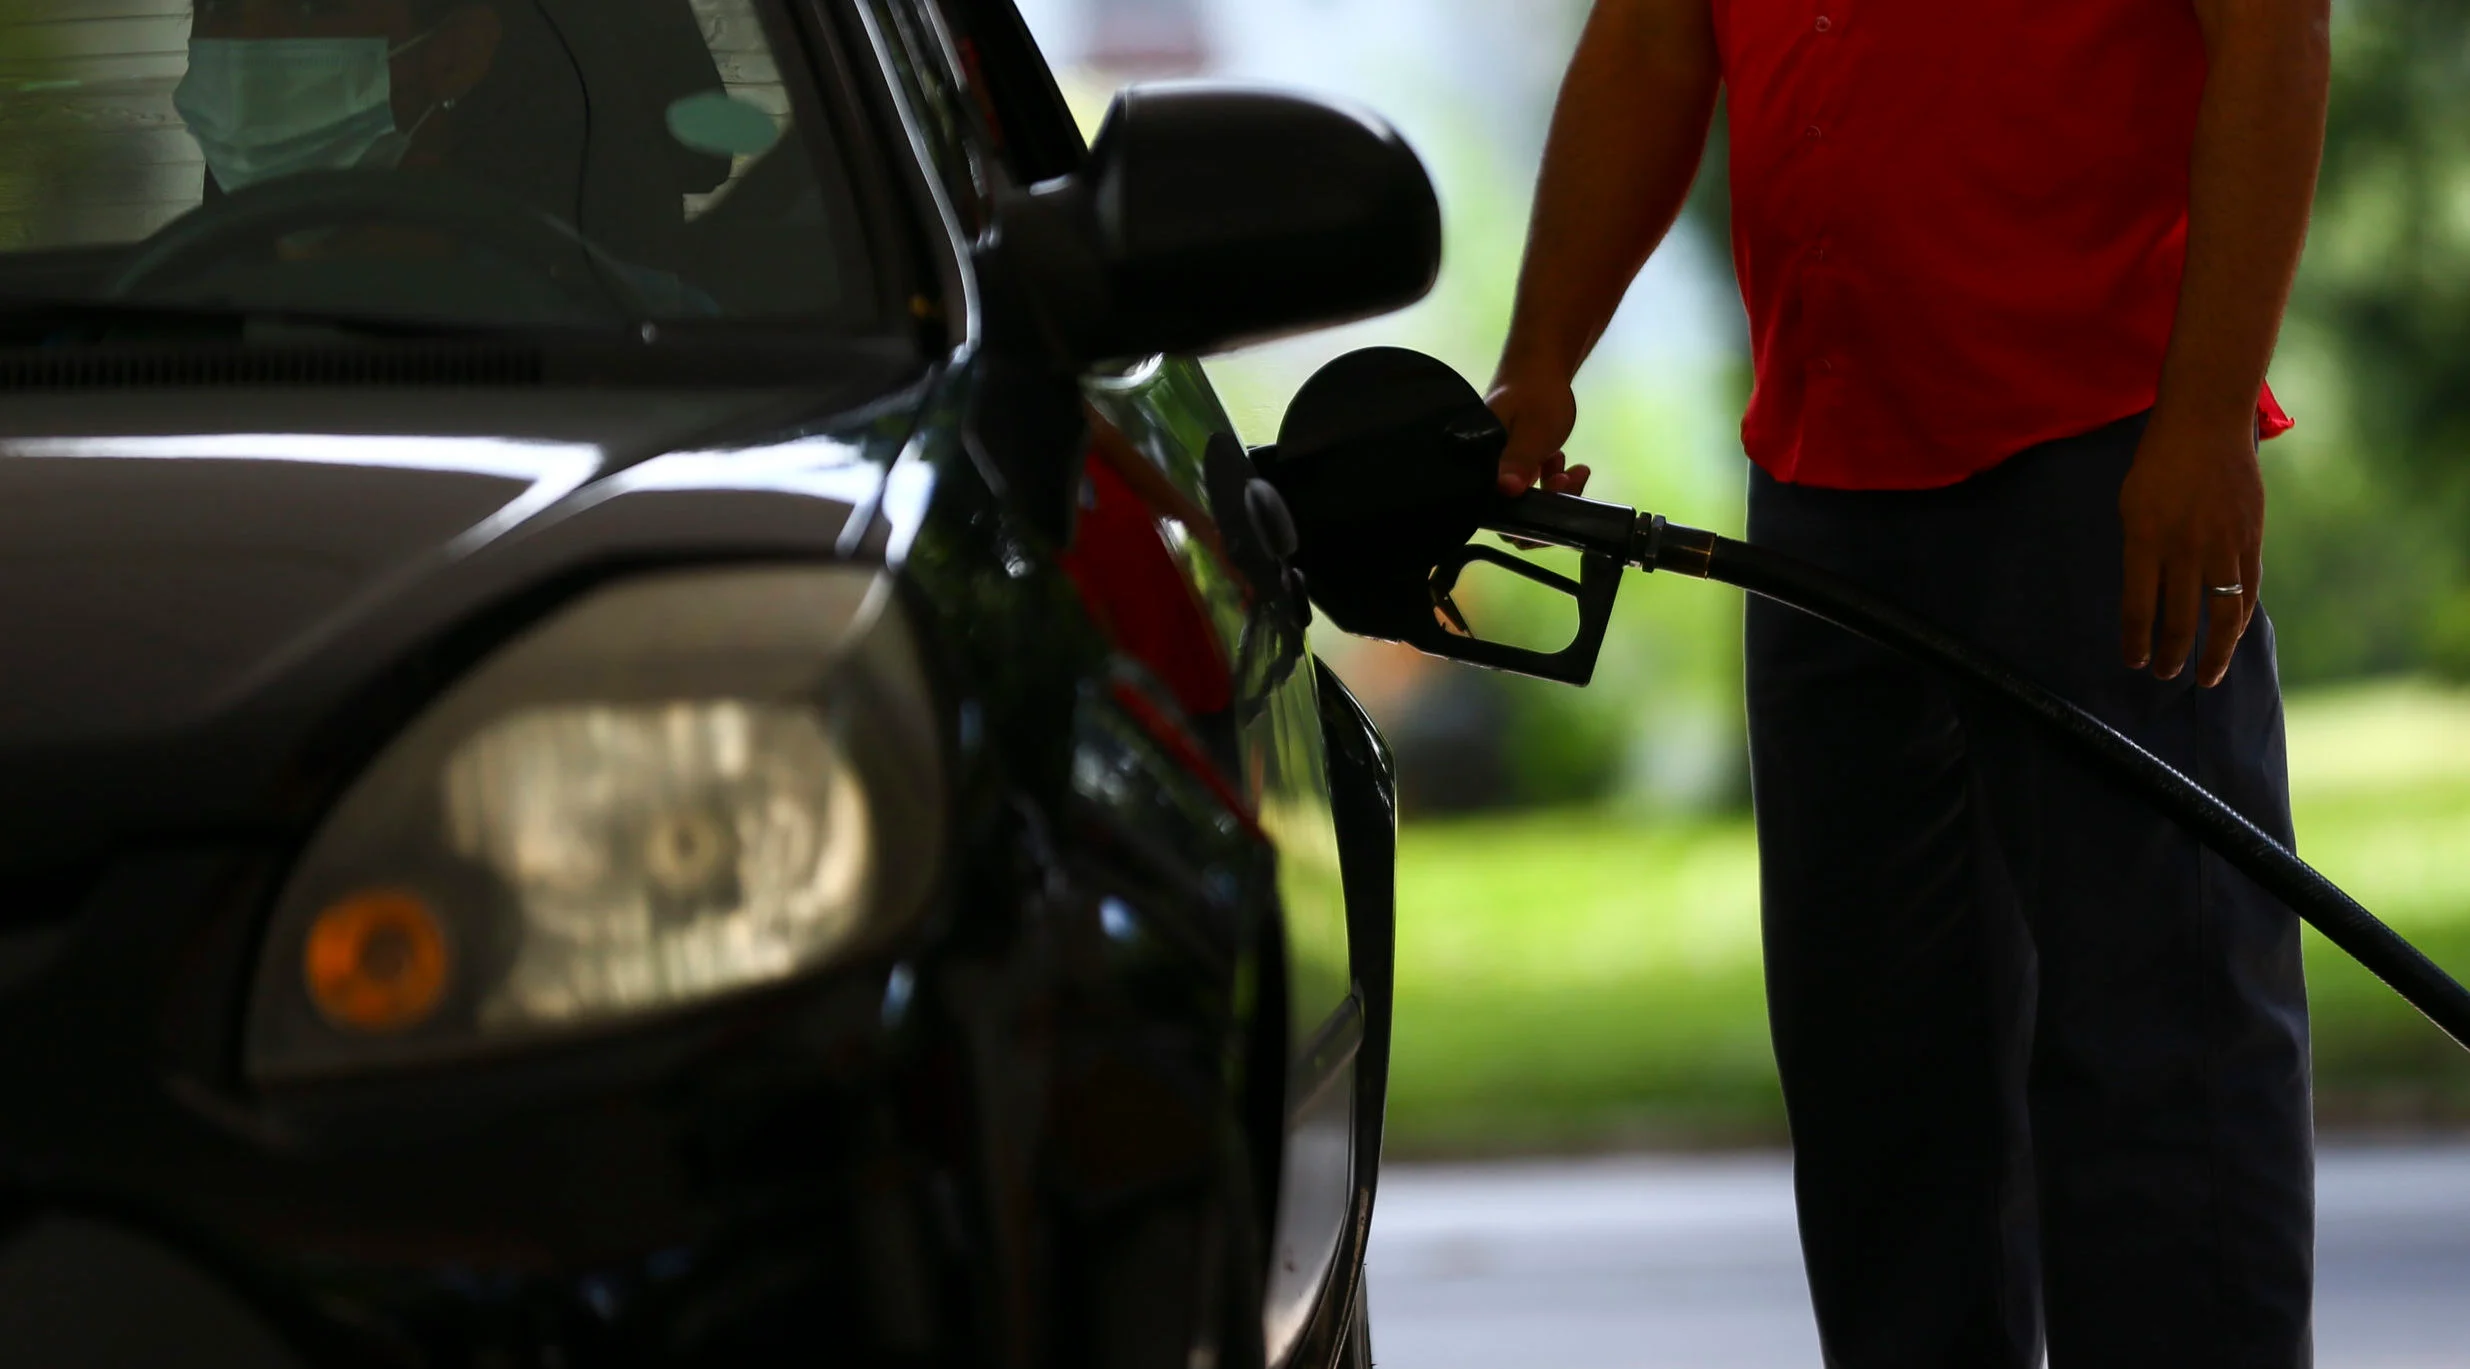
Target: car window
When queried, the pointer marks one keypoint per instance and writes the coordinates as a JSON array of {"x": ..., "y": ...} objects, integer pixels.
[{"x": 568, "y": 162}]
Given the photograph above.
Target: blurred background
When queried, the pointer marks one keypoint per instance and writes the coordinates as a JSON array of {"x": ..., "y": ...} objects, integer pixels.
[
  {"x": 1579, "y": 999},
  {"x": 1578, "y": 941}
]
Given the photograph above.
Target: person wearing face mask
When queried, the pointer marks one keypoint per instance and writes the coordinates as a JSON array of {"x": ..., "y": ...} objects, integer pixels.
[{"x": 279, "y": 87}]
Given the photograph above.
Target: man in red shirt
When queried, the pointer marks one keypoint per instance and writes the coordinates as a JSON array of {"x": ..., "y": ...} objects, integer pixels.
[{"x": 2014, "y": 273}]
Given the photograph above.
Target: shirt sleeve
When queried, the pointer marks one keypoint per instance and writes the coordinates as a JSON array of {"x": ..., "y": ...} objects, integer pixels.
[{"x": 2271, "y": 419}]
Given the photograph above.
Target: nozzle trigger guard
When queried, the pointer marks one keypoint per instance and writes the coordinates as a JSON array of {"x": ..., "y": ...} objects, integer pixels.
[{"x": 1598, "y": 586}]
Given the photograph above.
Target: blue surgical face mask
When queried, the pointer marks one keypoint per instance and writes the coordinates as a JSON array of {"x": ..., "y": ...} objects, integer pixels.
[{"x": 267, "y": 107}]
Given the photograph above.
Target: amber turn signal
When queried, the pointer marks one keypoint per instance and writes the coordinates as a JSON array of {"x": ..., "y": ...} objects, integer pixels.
[{"x": 376, "y": 961}]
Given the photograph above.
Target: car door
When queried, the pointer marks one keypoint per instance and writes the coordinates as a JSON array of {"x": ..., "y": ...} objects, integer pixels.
[
  {"x": 1166, "y": 413},
  {"x": 1161, "y": 437}
]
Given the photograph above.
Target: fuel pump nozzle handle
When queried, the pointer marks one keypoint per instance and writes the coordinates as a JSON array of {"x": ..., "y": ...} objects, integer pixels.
[
  {"x": 1610, "y": 539},
  {"x": 1448, "y": 634},
  {"x": 1388, "y": 463},
  {"x": 1641, "y": 541},
  {"x": 1569, "y": 520}
]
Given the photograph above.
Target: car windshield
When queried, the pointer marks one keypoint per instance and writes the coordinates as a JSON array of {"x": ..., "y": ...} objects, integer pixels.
[{"x": 493, "y": 163}]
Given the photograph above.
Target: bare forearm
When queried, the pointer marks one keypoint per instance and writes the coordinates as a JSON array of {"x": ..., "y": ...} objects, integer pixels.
[
  {"x": 2191, "y": 511},
  {"x": 1626, "y": 140},
  {"x": 2259, "y": 136}
]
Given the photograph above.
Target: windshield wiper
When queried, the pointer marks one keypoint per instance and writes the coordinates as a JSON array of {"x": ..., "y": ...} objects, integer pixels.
[{"x": 52, "y": 322}]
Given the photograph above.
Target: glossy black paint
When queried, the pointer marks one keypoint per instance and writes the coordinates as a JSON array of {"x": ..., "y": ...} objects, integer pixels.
[
  {"x": 1364, "y": 782},
  {"x": 1051, "y": 1124},
  {"x": 1209, "y": 215}
]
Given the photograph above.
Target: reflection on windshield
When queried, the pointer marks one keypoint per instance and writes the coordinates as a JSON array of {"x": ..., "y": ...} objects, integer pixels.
[{"x": 490, "y": 161}]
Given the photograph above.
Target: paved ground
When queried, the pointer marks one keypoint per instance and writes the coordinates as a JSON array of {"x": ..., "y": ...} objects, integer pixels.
[{"x": 1689, "y": 1263}]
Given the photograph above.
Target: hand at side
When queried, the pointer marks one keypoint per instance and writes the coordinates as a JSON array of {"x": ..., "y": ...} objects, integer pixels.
[{"x": 2193, "y": 512}]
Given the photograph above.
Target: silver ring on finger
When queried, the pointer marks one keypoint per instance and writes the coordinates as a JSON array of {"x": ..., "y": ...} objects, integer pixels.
[{"x": 2226, "y": 591}]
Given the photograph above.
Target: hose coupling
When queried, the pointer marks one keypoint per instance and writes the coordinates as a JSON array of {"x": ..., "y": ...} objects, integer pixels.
[{"x": 1667, "y": 546}]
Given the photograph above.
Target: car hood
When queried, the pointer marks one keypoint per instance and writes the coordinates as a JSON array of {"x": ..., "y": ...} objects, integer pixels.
[{"x": 164, "y": 563}]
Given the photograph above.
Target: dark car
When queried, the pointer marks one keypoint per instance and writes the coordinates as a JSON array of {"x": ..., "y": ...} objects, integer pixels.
[{"x": 647, "y": 714}]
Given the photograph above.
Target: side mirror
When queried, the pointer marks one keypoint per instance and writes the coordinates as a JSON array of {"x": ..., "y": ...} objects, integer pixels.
[{"x": 1210, "y": 216}]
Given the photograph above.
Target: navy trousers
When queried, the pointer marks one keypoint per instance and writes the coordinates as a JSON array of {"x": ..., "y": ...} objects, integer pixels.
[{"x": 2045, "y": 1059}]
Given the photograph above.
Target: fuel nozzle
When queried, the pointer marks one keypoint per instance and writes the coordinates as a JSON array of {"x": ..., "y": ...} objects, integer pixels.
[{"x": 1390, "y": 462}]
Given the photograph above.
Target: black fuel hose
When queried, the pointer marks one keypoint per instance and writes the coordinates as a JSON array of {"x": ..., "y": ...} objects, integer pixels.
[{"x": 1663, "y": 546}]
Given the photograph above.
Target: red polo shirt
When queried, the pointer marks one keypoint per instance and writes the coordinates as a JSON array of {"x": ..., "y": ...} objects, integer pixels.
[{"x": 1959, "y": 225}]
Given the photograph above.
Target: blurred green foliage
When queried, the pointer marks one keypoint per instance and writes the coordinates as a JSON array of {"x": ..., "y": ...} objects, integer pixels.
[
  {"x": 1579, "y": 979},
  {"x": 2371, "y": 496}
]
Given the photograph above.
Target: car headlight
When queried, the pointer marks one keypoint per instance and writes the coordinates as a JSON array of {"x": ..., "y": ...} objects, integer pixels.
[{"x": 680, "y": 787}]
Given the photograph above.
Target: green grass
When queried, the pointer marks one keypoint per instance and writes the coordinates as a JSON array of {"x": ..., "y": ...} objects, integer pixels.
[{"x": 1581, "y": 979}]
